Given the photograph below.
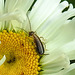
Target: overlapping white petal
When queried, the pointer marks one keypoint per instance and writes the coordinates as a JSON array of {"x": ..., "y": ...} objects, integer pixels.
[
  {"x": 52, "y": 24},
  {"x": 68, "y": 71},
  {"x": 1, "y": 7},
  {"x": 16, "y": 5},
  {"x": 69, "y": 49},
  {"x": 2, "y": 60},
  {"x": 1, "y": 11},
  {"x": 14, "y": 10},
  {"x": 41, "y": 10},
  {"x": 18, "y": 15},
  {"x": 54, "y": 62},
  {"x": 65, "y": 35}
]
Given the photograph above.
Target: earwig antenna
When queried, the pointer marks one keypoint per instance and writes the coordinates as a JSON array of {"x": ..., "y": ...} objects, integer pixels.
[{"x": 29, "y": 21}]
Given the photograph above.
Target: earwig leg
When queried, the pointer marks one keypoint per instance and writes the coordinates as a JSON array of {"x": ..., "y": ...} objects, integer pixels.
[
  {"x": 44, "y": 45},
  {"x": 43, "y": 40},
  {"x": 45, "y": 54},
  {"x": 35, "y": 32}
]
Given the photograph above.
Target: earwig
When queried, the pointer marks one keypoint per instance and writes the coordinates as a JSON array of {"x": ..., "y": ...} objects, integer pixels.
[{"x": 39, "y": 45}]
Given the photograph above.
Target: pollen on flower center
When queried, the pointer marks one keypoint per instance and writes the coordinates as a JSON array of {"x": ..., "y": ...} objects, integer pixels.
[{"x": 20, "y": 52}]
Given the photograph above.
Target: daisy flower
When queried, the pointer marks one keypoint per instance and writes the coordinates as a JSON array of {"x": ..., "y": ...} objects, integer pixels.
[{"x": 18, "y": 51}]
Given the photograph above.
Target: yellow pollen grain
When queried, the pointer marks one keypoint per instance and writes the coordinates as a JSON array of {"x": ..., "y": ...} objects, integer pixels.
[{"x": 20, "y": 52}]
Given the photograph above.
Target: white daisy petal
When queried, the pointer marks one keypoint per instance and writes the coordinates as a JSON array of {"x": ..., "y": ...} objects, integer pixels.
[
  {"x": 18, "y": 15},
  {"x": 61, "y": 7},
  {"x": 1, "y": 11},
  {"x": 52, "y": 24},
  {"x": 17, "y": 25},
  {"x": 2, "y": 60},
  {"x": 69, "y": 49},
  {"x": 45, "y": 7},
  {"x": 70, "y": 7},
  {"x": 14, "y": 5},
  {"x": 16, "y": 10},
  {"x": 13, "y": 24},
  {"x": 10, "y": 5},
  {"x": 68, "y": 71},
  {"x": 61, "y": 36},
  {"x": 54, "y": 62},
  {"x": 1, "y": 6}
]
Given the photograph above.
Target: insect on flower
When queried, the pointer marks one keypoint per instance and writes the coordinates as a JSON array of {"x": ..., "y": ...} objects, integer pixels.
[
  {"x": 39, "y": 45},
  {"x": 38, "y": 42}
]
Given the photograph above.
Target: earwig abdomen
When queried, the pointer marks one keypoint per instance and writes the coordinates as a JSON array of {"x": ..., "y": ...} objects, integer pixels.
[{"x": 39, "y": 45}]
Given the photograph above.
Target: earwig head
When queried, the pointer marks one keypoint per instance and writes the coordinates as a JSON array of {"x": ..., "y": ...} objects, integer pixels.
[{"x": 31, "y": 33}]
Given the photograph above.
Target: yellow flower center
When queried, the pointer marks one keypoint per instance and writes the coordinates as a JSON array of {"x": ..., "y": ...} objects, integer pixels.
[{"x": 20, "y": 52}]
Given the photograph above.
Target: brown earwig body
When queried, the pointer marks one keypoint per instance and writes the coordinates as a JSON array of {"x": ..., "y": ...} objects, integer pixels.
[{"x": 39, "y": 45}]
